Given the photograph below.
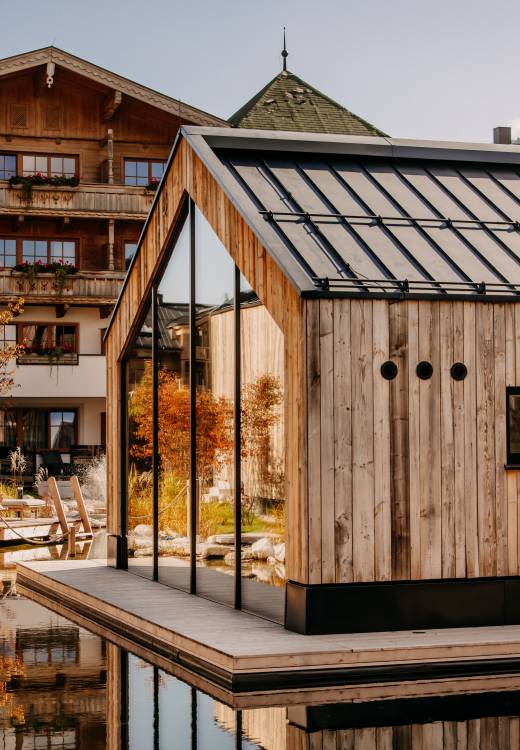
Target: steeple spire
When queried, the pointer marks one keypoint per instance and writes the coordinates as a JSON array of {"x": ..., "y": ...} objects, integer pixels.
[{"x": 285, "y": 54}]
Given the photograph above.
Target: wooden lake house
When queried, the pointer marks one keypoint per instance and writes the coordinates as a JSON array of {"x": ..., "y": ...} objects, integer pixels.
[{"x": 314, "y": 360}]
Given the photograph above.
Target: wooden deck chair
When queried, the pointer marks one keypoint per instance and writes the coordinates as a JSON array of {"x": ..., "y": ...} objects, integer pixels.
[
  {"x": 82, "y": 508},
  {"x": 58, "y": 505}
]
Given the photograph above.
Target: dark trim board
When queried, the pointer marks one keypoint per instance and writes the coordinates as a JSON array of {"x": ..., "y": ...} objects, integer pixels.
[
  {"x": 402, "y": 605},
  {"x": 404, "y": 711}
]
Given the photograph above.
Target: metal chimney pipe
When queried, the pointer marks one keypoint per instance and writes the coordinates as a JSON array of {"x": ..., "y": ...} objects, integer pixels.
[{"x": 502, "y": 134}]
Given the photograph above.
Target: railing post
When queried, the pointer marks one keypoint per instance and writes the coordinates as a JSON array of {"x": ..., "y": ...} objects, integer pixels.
[
  {"x": 111, "y": 225},
  {"x": 110, "y": 149}
]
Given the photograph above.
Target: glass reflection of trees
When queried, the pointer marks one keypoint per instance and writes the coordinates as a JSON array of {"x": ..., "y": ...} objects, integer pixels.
[
  {"x": 203, "y": 311},
  {"x": 139, "y": 473}
]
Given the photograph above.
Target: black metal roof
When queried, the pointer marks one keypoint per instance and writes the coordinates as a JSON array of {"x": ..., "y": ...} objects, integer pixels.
[{"x": 376, "y": 216}]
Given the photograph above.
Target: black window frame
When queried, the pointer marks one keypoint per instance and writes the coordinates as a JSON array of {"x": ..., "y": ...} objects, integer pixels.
[{"x": 513, "y": 459}]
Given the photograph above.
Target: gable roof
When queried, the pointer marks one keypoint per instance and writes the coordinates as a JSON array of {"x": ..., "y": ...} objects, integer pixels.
[
  {"x": 289, "y": 103},
  {"x": 35, "y": 58},
  {"x": 375, "y": 216}
]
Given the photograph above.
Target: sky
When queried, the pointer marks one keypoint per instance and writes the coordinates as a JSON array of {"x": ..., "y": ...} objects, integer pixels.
[{"x": 445, "y": 70}]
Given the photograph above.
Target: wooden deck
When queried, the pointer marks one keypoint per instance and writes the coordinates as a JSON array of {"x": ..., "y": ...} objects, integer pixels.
[{"x": 244, "y": 653}]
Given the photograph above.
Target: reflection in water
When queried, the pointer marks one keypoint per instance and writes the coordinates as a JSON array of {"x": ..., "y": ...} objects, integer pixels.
[{"x": 63, "y": 687}]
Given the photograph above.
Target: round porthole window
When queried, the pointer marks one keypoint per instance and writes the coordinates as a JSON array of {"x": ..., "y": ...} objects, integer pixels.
[
  {"x": 459, "y": 371},
  {"x": 389, "y": 370},
  {"x": 424, "y": 370}
]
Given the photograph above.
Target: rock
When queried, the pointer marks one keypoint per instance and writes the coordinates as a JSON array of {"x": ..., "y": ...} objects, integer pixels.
[
  {"x": 279, "y": 552},
  {"x": 262, "y": 549},
  {"x": 228, "y": 539},
  {"x": 143, "y": 552},
  {"x": 143, "y": 529},
  {"x": 249, "y": 537},
  {"x": 212, "y": 551},
  {"x": 141, "y": 542},
  {"x": 245, "y": 556},
  {"x": 271, "y": 560},
  {"x": 279, "y": 570}
]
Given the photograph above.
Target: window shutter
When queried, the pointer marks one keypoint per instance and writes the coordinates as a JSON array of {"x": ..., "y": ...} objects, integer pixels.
[{"x": 18, "y": 116}]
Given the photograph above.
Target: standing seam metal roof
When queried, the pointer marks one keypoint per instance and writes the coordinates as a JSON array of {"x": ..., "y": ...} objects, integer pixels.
[{"x": 355, "y": 223}]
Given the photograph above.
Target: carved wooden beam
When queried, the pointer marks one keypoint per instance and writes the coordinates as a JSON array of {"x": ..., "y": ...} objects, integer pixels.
[
  {"x": 105, "y": 310},
  {"x": 44, "y": 78},
  {"x": 64, "y": 223},
  {"x": 111, "y": 103},
  {"x": 61, "y": 309}
]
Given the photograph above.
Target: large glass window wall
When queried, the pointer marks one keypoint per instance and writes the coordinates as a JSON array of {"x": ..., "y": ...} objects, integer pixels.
[{"x": 203, "y": 389}]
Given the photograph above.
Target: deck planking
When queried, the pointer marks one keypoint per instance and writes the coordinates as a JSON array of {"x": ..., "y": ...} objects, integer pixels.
[{"x": 229, "y": 645}]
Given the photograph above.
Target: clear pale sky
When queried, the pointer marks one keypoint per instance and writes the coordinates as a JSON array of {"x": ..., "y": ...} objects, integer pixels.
[{"x": 447, "y": 69}]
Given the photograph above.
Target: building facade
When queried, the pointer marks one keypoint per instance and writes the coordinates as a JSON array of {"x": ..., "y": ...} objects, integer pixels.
[
  {"x": 353, "y": 438},
  {"x": 82, "y": 151}
]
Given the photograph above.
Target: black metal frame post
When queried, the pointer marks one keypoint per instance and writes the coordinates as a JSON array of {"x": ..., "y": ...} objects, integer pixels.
[
  {"x": 122, "y": 547},
  {"x": 193, "y": 408},
  {"x": 155, "y": 435},
  {"x": 237, "y": 440}
]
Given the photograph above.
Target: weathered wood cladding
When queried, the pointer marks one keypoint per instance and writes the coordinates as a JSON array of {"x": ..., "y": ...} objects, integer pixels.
[
  {"x": 419, "y": 488},
  {"x": 188, "y": 176}
]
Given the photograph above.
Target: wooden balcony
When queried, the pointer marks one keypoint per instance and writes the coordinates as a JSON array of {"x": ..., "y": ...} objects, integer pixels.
[
  {"x": 100, "y": 288},
  {"x": 90, "y": 201}
]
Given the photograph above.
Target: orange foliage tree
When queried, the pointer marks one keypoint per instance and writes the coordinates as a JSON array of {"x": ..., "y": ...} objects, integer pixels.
[
  {"x": 9, "y": 353},
  {"x": 214, "y": 426}
]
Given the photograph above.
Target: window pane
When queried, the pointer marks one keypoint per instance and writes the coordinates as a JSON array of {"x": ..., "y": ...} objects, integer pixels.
[
  {"x": 139, "y": 446},
  {"x": 69, "y": 167},
  {"x": 157, "y": 169},
  {"x": 56, "y": 250},
  {"x": 130, "y": 248},
  {"x": 62, "y": 429},
  {"x": 66, "y": 338},
  {"x": 41, "y": 164},
  {"x": 262, "y": 453},
  {"x": 130, "y": 168},
  {"x": 41, "y": 250},
  {"x": 35, "y": 430},
  {"x": 142, "y": 169},
  {"x": 141, "y": 180},
  {"x": 7, "y": 336},
  {"x": 29, "y": 165},
  {"x": 28, "y": 251},
  {"x": 8, "y": 428},
  {"x": 7, "y": 166},
  {"x": 174, "y": 416},
  {"x": 514, "y": 423},
  {"x": 56, "y": 165},
  {"x": 7, "y": 253},
  {"x": 215, "y": 368}
]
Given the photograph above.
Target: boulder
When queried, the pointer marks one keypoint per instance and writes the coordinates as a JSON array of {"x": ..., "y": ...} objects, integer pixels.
[
  {"x": 279, "y": 552},
  {"x": 245, "y": 556},
  {"x": 228, "y": 539},
  {"x": 207, "y": 551},
  {"x": 262, "y": 549},
  {"x": 143, "y": 529},
  {"x": 145, "y": 552}
]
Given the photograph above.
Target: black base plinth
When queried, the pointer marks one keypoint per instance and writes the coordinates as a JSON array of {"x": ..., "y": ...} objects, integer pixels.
[{"x": 402, "y": 605}]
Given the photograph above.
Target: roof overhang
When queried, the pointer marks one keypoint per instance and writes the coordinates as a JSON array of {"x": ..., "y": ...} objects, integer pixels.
[{"x": 35, "y": 58}]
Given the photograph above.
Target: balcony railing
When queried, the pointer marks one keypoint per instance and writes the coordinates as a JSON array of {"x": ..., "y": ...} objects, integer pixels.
[
  {"x": 55, "y": 358},
  {"x": 87, "y": 200},
  {"x": 85, "y": 287}
]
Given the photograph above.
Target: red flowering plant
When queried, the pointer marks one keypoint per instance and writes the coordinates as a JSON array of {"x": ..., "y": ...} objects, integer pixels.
[
  {"x": 153, "y": 184},
  {"x": 60, "y": 268},
  {"x": 27, "y": 182}
]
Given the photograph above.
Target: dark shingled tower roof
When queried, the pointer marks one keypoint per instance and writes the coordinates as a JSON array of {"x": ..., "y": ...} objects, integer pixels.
[{"x": 288, "y": 103}]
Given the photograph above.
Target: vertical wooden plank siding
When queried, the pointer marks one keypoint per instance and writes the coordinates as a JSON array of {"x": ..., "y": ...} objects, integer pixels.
[
  {"x": 363, "y": 522},
  {"x": 342, "y": 442},
  {"x": 314, "y": 440},
  {"x": 447, "y": 444},
  {"x": 399, "y": 443},
  {"x": 382, "y": 467},
  {"x": 328, "y": 562},
  {"x": 470, "y": 442},
  {"x": 459, "y": 489}
]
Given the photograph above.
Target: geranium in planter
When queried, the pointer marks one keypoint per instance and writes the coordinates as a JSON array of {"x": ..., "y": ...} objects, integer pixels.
[
  {"x": 153, "y": 184},
  {"x": 27, "y": 182},
  {"x": 30, "y": 271}
]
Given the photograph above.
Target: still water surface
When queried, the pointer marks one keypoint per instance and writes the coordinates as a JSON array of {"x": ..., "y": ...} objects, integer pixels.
[{"x": 64, "y": 687}]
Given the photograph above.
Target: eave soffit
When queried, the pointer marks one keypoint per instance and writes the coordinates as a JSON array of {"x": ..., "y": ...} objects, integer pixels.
[{"x": 41, "y": 57}]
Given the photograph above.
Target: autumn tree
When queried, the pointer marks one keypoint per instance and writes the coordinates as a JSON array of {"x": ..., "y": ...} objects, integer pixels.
[
  {"x": 214, "y": 426},
  {"x": 9, "y": 353}
]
